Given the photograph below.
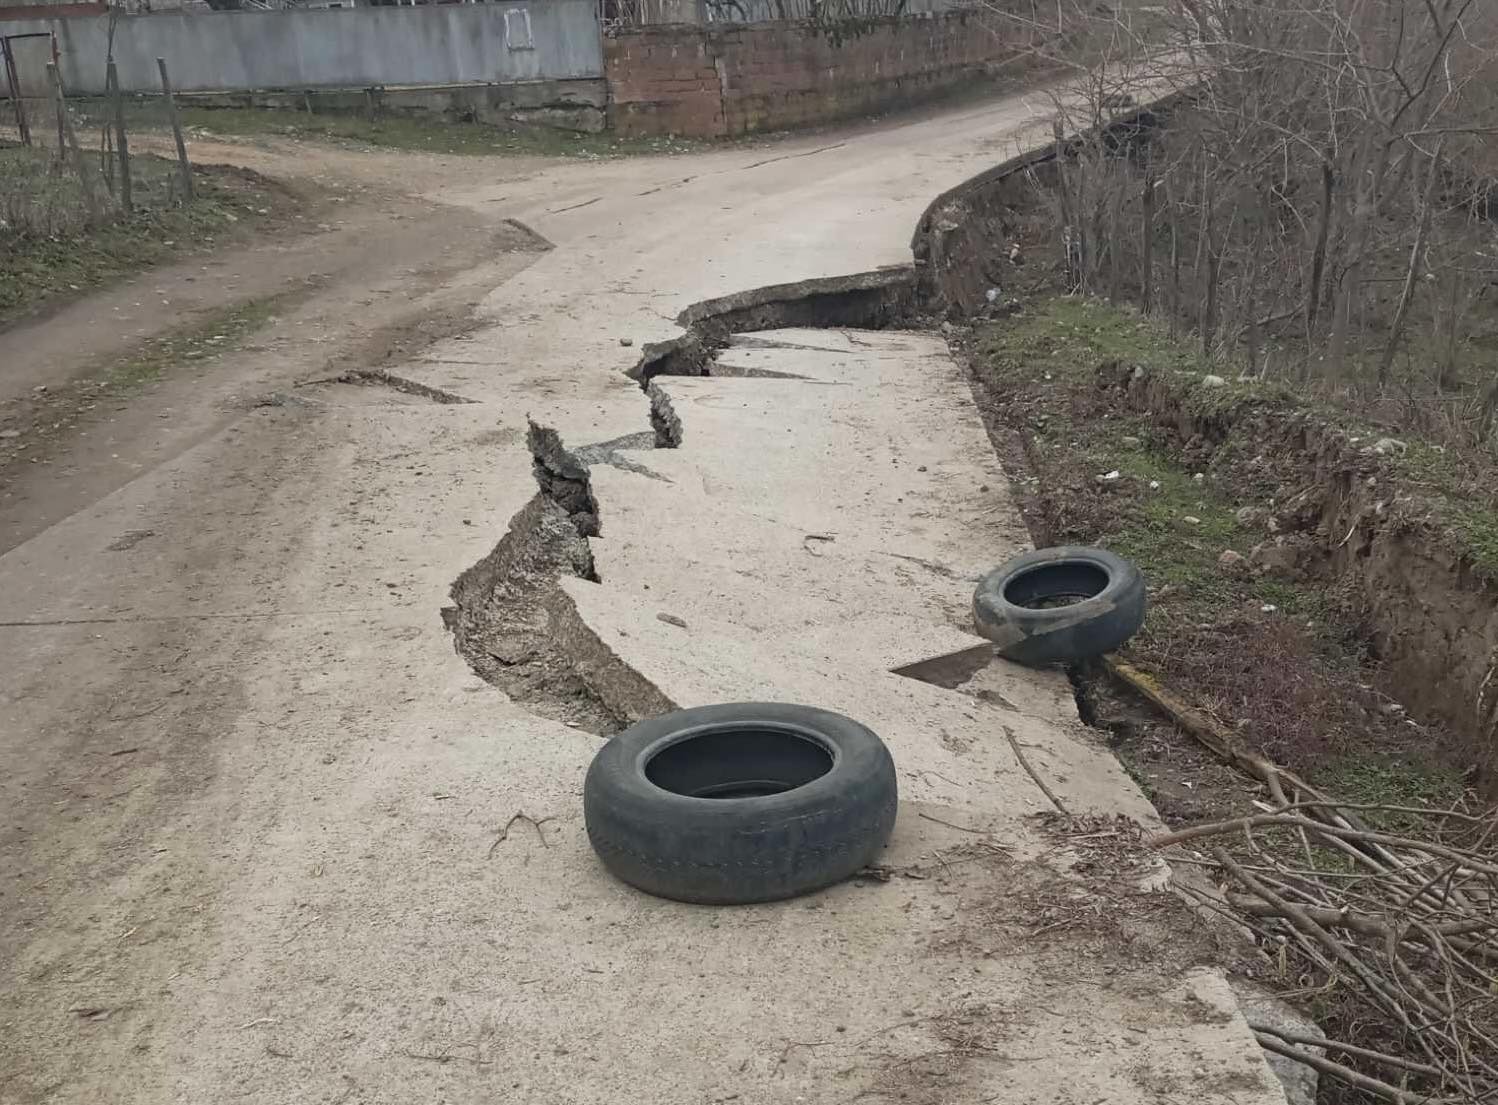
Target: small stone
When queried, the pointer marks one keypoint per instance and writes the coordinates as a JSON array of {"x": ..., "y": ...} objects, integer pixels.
[
  {"x": 1384, "y": 446},
  {"x": 626, "y": 342},
  {"x": 921, "y": 468},
  {"x": 1130, "y": 440},
  {"x": 983, "y": 487},
  {"x": 671, "y": 619},
  {"x": 1232, "y": 561},
  {"x": 1108, "y": 477},
  {"x": 8, "y": 434},
  {"x": 1249, "y": 516},
  {"x": 1268, "y": 608},
  {"x": 1154, "y": 485},
  {"x": 993, "y": 294},
  {"x": 1192, "y": 519},
  {"x": 1276, "y": 558},
  {"x": 1214, "y": 382},
  {"x": 1200, "y": 477},
  {"x": 1391, "y": 709},
  {"x": 40, "y": 388}
]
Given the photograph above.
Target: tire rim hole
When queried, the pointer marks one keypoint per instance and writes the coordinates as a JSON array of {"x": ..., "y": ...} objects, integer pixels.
[
  {"x": 738, "y": 762},
  {"x": 1051, "y": 585}
]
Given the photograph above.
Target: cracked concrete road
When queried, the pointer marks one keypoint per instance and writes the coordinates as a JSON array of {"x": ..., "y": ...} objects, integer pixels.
[{"x": 254, "y": 844}]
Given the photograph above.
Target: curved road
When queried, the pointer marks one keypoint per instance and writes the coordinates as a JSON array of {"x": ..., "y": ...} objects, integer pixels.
[{"x": 259, "y": 838}]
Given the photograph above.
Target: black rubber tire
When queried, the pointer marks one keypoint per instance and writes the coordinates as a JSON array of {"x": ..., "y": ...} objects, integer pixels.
[
  {"x": 652, "y": 826},
  {"x": 1005, "y": 611}
]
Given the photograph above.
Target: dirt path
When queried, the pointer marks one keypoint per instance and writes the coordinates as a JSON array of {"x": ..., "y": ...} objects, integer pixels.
[{"x": 359, "y": 268}]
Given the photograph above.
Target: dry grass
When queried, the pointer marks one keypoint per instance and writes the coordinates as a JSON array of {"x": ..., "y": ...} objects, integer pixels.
[{"x": 52, "y": 249}]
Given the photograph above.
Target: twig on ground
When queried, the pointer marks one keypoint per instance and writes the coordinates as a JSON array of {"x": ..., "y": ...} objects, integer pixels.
[
  {"x": 504, "y": 833},
  {"x": 1344, "y": 1074},
  {"x": 1347, "y": 1049},
  {"x": 1030, "y": 771},
  {"x": 953, "y": 825}
]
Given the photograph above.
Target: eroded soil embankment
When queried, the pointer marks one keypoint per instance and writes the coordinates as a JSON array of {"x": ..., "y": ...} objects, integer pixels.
[
  {"x": 1342, "y": 513},
  {"x": 1406, "y": 556}
]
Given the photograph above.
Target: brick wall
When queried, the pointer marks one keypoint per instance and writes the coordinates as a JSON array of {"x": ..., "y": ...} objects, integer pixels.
[{"x": 715, "y": 81}]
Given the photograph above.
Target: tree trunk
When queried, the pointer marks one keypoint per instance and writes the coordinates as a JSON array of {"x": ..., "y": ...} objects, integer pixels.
[
  {"x": 1318, "y": 254},
  {"x": 1412, "y": 270},
  {"x": 1147, "y": 244}
]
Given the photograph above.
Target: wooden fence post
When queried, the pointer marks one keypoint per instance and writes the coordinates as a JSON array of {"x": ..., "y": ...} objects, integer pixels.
[
  {"x": 65, "y": 126},
  {"x": 121, "y": 146},
  {"x": 14, "y": 83},
  {"x": 171, "y": 110}
]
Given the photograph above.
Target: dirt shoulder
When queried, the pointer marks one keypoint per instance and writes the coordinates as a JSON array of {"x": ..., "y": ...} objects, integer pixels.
[
  {"x": 1243, "y": 618},
  {"x": 1266, "y": 650},
  {"x": 347, "y": 271}
]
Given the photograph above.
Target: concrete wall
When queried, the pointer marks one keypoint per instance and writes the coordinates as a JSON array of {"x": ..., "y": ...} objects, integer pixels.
[
  {"x": 713, "y": 81},
  {"x": 507, "y": 41}
]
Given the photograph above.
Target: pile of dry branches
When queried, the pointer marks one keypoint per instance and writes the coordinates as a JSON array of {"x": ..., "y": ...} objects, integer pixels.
[{"x": 1395, "y": 927}]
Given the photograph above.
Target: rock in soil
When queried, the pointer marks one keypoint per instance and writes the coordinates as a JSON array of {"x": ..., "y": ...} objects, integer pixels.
[{"x": 1277, "y": 557}]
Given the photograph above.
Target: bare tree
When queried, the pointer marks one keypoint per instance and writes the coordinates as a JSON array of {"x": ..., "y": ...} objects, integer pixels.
[{"x": 1318, "y": 199}]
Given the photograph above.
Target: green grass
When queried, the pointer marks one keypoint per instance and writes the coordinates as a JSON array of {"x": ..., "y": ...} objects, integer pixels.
[
  {"x": 212, "y": 334},
  {"x": 1469, "y": 508},
  {"x": 1068, "y": 336},
  {"x": 1393, "y": 781},
  {"x": 52, "y": 251},
  {"x": 1059, "y": 343},
  {"x": 429, "y": 133}
]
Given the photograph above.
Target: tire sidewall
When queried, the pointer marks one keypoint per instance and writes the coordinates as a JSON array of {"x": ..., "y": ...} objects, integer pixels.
[
  {"x": 1061, "y": 634},
  {"x": 740, "y": 849}
]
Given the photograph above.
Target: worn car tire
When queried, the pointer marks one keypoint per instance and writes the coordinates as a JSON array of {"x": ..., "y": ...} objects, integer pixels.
[
  {"x": 746, "y": 802},
  {"x": 1017, "y": 606}
]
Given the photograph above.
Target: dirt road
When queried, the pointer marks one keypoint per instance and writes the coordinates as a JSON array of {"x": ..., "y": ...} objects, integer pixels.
[{"x": 254, "y": 845}]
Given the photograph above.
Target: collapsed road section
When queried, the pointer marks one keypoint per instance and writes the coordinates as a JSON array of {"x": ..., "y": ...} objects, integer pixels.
[{"x": 815, "y": 537}]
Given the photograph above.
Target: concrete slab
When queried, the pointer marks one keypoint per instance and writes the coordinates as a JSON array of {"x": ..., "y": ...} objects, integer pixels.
[{"x": 823, "y": 520}]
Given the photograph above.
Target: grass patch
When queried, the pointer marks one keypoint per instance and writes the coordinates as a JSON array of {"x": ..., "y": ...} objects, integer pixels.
[
  {"x": 429, "y": 133},
  {"x": 1469, "y": 506},
  {"x": 51, "y": 251},
  {"x": 1066, "y": 335},
  {"x": 1268, "y": 653},
  {"x": 1164, "y": 515},
  {"x": 1394, "y": 781}
]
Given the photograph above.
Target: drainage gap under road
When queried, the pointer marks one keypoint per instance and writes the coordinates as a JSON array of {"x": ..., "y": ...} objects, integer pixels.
[{"x": 885, "y": 299}]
